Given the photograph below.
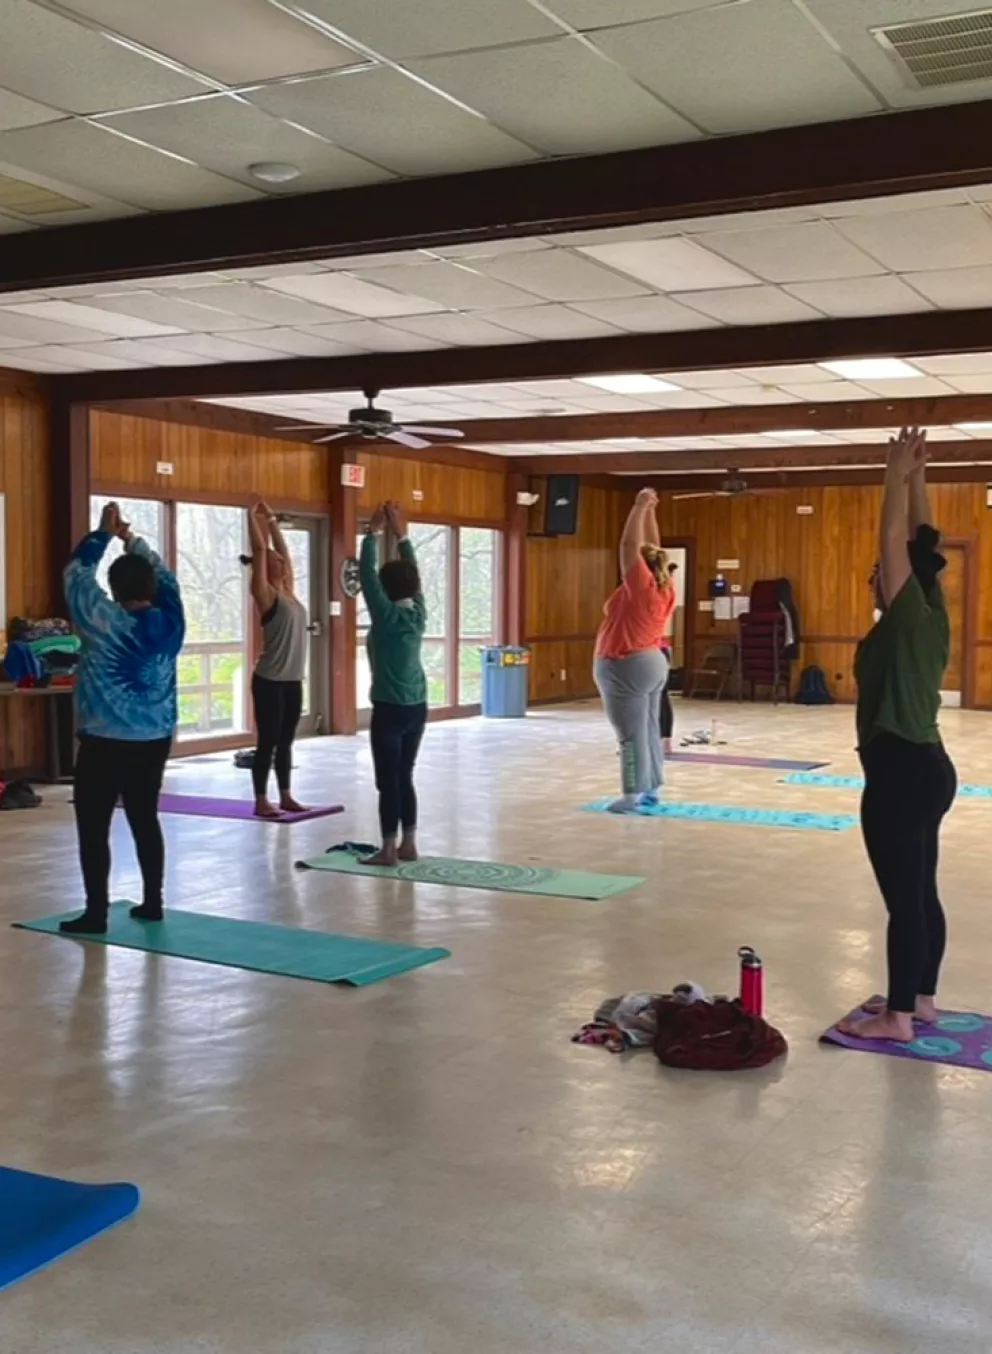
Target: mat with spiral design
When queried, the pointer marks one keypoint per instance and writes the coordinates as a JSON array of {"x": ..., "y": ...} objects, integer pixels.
[{"x": 486, "y": 874}]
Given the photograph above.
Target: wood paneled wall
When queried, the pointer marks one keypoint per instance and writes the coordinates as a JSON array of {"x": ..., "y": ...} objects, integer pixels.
[
  {"x": 125, "y": 451},
  {"x": 568, "y": 578},
  {"x": 434, "y": 492},
  {"x": 827, "y": 555},
  {"x": 25, "y": 482}
]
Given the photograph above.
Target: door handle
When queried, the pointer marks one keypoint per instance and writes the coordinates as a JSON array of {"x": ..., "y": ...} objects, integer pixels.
[{"x": 315, "y": 628}]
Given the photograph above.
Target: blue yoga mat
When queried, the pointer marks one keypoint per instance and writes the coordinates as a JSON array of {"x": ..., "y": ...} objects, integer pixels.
[
  {"x": 42, "y": 1218},
  {"x": 730, "y": 813},
  {"x": 857, "y": 783},
  {"x": 320, "y": 956}
]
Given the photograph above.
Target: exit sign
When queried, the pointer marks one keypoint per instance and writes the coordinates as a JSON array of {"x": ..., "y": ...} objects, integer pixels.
[{"x": 353, "y": 476}]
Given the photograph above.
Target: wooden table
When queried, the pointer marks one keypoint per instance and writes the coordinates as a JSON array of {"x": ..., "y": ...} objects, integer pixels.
[{"x": 60, "y": 722}]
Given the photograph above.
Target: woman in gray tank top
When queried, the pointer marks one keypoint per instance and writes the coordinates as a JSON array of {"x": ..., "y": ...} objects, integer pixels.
[{"x": 277, "y": 685}]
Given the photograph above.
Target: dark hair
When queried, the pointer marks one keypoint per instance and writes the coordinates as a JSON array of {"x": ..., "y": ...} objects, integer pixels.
[
  {"x": 132, "y": 579},
  {"x": 400, "y": 579}
]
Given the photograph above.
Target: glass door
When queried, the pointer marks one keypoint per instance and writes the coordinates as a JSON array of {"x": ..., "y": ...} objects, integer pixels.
[
  {"x": 478, "y": 601},
  {"x": 304, "y": 539},
  {"x": 433, "y": 545}
]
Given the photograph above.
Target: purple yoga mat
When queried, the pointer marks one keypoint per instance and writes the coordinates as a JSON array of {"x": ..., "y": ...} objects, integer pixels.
[
  {"x": 960, "y": 1038},
  {"x": 730, "y": 759},
  {"x": 202, "y": 806}
]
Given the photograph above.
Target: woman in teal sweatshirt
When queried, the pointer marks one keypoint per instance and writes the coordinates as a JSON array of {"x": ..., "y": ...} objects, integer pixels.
[{"x": 398, "y": 617}]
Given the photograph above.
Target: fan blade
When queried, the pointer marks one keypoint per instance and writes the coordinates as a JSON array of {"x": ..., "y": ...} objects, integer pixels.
[
  {"x": 404, "y": 438},
  {"x": 333, "y": 437},
  {"x": 305, "y": 427},
  {"x": 677, "y": 497},
  {"x": 432, "y": 432}
]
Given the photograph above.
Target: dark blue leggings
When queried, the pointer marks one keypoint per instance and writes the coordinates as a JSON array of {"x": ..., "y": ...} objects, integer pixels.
[{"x": 396, "y": 734}]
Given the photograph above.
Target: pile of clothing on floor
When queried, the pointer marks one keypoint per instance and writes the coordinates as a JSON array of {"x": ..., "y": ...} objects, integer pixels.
[
  {"x": 40, "y": 652},
  {"x": 686, "y": 1028}
]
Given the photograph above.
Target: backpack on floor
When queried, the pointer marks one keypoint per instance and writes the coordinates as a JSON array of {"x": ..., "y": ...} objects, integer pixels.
[
  {"x": 813, "y": 689},
  {"x": 18, "y": 794}
]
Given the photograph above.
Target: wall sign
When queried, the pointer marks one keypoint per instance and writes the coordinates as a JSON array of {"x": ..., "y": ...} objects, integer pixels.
[
  {"x": 353, "y": 476},
  {"x": 351, "y": 582},
  {"x": 724, "y": 564}
]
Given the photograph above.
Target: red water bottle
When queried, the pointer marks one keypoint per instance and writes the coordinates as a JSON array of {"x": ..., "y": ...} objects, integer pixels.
[{"x": 752, "y": 996}]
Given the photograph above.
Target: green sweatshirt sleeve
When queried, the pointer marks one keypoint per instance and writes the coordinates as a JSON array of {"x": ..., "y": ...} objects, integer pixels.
[
  {"x": 407, "y": 552},
  {"x": 376, "y": 600}
]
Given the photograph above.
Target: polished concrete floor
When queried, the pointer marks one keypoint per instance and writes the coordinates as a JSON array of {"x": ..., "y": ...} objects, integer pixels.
[{"x": 429, "y": 1166}]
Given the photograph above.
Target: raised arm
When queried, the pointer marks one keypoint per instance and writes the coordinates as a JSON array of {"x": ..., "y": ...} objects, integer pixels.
[
  {"x": 167, "y": 597},
  {"x": 893, "y": 534},
  {"x": 376, "y": 600},
  {"x": 632, "y": 537},
  {"x": 279, "y": 544},
  {"x": 919, "y": 502},
  {"x": 90, "y": 609},
  {"x": 398, "y": 526},
  {"x": 258, "y": 529}
]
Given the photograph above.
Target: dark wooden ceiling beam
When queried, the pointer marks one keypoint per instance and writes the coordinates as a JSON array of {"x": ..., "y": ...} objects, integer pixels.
[
  {"x": 864, "y": 157},
  {"x": 767, "y": 457},
  {"x": 918, "y": 335}
]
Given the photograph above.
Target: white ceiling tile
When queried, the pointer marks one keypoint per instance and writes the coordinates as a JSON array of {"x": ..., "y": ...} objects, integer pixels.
[
  {"x": 885, "y": 295},
  {"x": 921, "y": 386},
  {"x": 262, "y": 272},
  {"x": 602, "y": 402},
  {"x": 956, "y": 364},
  {"x": 490, "y": 249},
  {"x": 352, "y": 295},
  {"x": 94, "y": 357},
  {"x": 940, "y": 237},
  {"x": 550, "y": 322},
  {"x": 91, "y": 318},
  {"x": 856, "y": 435},
  {"x": 50, "y": 59},
  {"x": 26, "y": 360},
  {"x": 347, "y": 263},
  {"x": 115, "y": 353},
  {"x": 558, "y": 96},
  {"x": 752, "y": 394},
  {"x": 234, "y": 41},
  {"x": 9, "y": 226},
  {"x": 671, "y": 265},
  {"x": 707, "y": 380},
  {"x": 393, "y": 121},
  {"x": 589, "y": 14},
  {"x": 459, "y": 330},
  {"x": 645, "y": 314},
  {"x": 209, "y": 348},
  {"x": 757, "y": 220},
  {"x": 226, "y": 135},
  {"x": 372, "y": 337},
  {"x": 896, "y": 202},
  {"x": 552, "y": 390},
  {"x": 397, "y": 28},
  {"x": 805, "y": 252},
  {"x": 560, "y": 276},
  {"x": 964, "y": 385},
  {"x": 741, "y": 68},
  {"x": 778, "y": 375},
  {"x": 89, "y": 155},
  {"x": 16, "y": 111},
  {"x": 820, "y": 392},
  {"x": 178, "y": 311},
  {"x": 681, "y": 399},
  {"x": 652, "y": 230},
  {"x": 749, "y": 305},
  {"x": 451, "y": 285},
  {"x": 262, "y": 305},
  {"x": 285, "y": 340},
  {"x": 31, "y": 330},
  {"x": 7, "y": 341},
  {"x": 954, "y": 288}
]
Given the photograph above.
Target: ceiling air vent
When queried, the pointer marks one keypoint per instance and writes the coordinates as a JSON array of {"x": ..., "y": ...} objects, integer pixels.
[
  {"x": 946, "y": 51},
  {"x": 28, "y": 199}
]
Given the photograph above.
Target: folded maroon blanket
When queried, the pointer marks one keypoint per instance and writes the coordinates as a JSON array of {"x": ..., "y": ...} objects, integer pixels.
[{"x": 716, "y": 1037}]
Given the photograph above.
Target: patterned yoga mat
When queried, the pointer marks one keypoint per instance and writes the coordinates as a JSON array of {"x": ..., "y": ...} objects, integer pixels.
[
  {"x": 485, "y": 874},
  {"x": 857, "y": 783},
  {"x": 733, "y": 813},
  {"x": 737, "y": 759},
  {"x": 960, "y": 1038}
]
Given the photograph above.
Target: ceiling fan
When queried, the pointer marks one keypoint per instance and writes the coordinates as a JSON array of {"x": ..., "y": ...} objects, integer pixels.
[
  {"x": 731, "y": 486},
  {"x": 373, "y": 423}
]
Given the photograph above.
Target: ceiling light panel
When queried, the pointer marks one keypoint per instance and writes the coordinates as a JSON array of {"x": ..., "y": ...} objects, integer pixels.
[
  {"x": 628, "y": 383},
  {"x": 872, "y": 369}
]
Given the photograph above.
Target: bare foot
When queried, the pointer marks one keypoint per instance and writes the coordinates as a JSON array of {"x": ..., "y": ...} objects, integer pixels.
[
  {"x": 408, "y": 851},
  {"x": 388, "y": 858},
  {"x": 895, "y": 1025},
  {"x": 265, "y": 809},
  {"x": 290, "y": 805},
  {"x": 666, "y": 745},
  {"x": 926, "y": 1009}
]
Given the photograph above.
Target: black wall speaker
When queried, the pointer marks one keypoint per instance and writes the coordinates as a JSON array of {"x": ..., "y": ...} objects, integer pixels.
[{"x": 561, "y": 506}]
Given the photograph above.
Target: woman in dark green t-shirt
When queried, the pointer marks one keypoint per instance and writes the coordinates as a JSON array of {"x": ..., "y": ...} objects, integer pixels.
[{"x": 910, "y": 781}]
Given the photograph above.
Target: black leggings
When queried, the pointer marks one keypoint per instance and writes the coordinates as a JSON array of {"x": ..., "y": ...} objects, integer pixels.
[
  {"x": 667, "y": 713},
  {"x": 277, "y": 713},
  {"x": 909, "y": 787},
  {"x": 107, "y": 770},
  {"x": 396, "y": 734}
]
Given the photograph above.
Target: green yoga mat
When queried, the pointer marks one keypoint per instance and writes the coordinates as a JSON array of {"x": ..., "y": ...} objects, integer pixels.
[
  {"x": 320, "y": 956},
  {"x": 486, "y": 874}
]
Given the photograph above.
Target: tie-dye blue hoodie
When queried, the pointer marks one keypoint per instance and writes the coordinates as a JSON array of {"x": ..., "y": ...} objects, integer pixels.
[{"x": 126, "y": 680}]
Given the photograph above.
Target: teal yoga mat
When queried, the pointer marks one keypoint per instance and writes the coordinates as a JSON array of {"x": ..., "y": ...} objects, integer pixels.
[
  {"x": 731, "y": 813},
  {"x": 857, "y": 783},
  {"x": 320, "y": 956},
  {"x": 486, "y": 874}
]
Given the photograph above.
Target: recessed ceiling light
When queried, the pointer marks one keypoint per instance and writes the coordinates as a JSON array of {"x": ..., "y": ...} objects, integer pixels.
[
  {"x": 629, "y": 383},
  {"x": 872, "y": 369},
  {"x": 787, "y": 434},
  {"x": 974, "y": 427},
  {"x": 272, "y": 171}
]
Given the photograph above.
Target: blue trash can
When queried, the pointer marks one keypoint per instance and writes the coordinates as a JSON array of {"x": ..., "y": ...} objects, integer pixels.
[{"x": 504, "y": 681}]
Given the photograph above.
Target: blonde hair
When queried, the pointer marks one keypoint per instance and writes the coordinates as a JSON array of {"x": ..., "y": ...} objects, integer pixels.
[{"x": 657, "y": 561}]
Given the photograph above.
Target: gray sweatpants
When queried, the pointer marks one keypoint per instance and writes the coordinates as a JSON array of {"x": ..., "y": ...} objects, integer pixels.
[{"x": 631, "y": 689}]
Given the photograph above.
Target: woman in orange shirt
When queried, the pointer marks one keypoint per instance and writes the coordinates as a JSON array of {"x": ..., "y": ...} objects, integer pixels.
[{"x": 630, "y": 667}]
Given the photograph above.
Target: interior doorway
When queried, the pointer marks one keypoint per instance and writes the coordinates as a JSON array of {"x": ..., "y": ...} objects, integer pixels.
[{"x": 958, "y": 585}]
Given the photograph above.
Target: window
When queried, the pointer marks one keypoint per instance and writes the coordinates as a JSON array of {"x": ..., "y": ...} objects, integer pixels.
[
  {"x": 477, "y": 601},
  {"x": 363, "y": 673},
  {"x": 433, "y": 546},
  {"x": 147, "y": 519},
  {"x": 214, "y": 660}
]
